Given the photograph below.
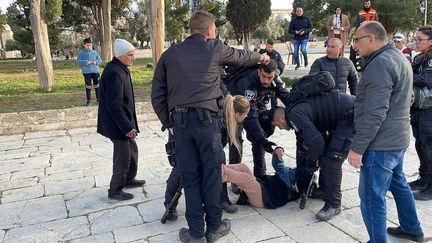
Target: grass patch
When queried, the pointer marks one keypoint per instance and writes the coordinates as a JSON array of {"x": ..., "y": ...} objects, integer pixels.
[{"x": 19, "y": 85}]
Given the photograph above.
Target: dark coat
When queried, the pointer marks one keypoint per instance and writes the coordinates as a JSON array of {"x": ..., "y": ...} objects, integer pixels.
[
  {"x": 116, "y": 115},
  {"x": 300, "y": 23}
]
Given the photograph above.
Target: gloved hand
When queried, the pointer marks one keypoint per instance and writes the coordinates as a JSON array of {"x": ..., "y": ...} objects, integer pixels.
[
  {"x": 268, "y": 146},
  {"x": 311, "y": 166}
]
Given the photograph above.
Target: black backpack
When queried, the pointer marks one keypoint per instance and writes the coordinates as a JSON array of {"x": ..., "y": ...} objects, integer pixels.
[{"x": 312, "y": 84}]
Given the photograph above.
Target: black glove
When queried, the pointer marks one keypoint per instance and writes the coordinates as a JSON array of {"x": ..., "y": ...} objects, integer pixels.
[
  {"x": 311, "y": 166},
  {"x": 268, "y": 146}
]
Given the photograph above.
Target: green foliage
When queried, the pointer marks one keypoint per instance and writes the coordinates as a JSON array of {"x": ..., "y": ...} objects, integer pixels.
[
  {"x": 246, "y": 20},
  {"x": 53, "y": 11},
  {"x": 176, "y": 19},
  {"x": 288, "y": 81},
  {"x": 270, "y": 29},
  {"x": 18, "y": 19},
  {"x": 135, "y": 25},
  {"x": 3, "y": 21}
]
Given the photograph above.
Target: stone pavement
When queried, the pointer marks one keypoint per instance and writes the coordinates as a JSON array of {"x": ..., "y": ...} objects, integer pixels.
[{"x": 53, "y": 188}]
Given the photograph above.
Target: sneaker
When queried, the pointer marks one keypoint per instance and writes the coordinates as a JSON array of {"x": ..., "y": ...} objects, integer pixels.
[
  {"x": 327, "y": 213},
  {"x": 424, "y": 194},
  {"x": 398, "y": 233},
  {"x": 317, "y": 193},
  {"x": 135, "y": 183},
  {"x": 186, "y": 237},
  {"x": 297, "y": 67},
  {"x": 228, "y": 207},
  {"x": 223, "y": 230},
  {"x": 418, "y": 184},
  {"x": 120, "y": 195},
  {"x": 88, "y": 103},
  {"x": 235, "y": 189}
]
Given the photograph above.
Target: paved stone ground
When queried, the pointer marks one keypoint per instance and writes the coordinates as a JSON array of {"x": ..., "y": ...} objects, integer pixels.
[{"x": 54, "y": 184}]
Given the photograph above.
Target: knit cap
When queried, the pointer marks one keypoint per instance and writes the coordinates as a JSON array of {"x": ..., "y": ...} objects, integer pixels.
[{"x": 122, "y": 47}]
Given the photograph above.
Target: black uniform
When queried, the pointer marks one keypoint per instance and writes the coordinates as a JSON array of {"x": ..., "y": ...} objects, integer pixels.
[
  {"x": 257, "y": 124},
  {"x": 324, "y": 129},
  {"x": 186, "y": 84},
  {"x": 421, "y": 118}
]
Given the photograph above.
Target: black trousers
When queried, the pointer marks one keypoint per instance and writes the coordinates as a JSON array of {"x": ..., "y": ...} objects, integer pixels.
[
  {"x": 336, "y": 151},
  {"x": 199, "y": 154},
  {"x": 421, "y": 123},
  {"x": 125, "y": 163},
  {"x": 88, "y": 77}
]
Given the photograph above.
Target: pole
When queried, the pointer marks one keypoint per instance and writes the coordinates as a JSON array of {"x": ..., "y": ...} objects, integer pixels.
[{"x": 426, "y": 12}]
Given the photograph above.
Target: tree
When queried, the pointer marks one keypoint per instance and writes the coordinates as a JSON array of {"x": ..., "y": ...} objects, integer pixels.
[
  {"x": 3, "y": 22},
  {"x": 137, "y": 24},
  {"x": 176, "y": 19},
  {"x": 246, "y": 15},
  {"x": 103, "y": 13},
  {"x": 40, "y": 15},
  {"x": 156, "y": 23}
]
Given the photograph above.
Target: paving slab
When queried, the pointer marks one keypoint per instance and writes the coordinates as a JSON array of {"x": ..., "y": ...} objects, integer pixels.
[
  {"x": 32, "y": 211},
  {"x": 73, "y": 167},
  {"x": 102, "y": 238},
  {"x": 23, "y": 194},
  {"x": 54, "y": 231}
]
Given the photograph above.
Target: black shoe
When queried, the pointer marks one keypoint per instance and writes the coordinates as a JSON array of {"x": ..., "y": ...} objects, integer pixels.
[
  {"x": 424, "y": 194},
  {"x": 88, "y": 103},
  {"x": 235, "y": 189},
  {"x": 223, "y": 230},
  {"x": 297, "y": 67},
  {"x": 120, "y": 195},
  {"x": 243, "y": 199},
  {"x": 398, "y": 233},
  {"x": 418, "y": 184},
  {"x": 135, "y": 183},
  {"x": 172, "y": 215},
  {"x": 186, "y": 237},
  {"x": 327, "y": 213},
  {"x": 317, "y": 193},
  {"x": 229, "y": 207}
]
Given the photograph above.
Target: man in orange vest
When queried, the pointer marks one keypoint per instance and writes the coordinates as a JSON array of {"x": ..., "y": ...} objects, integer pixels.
[{"x": 365, "y": 14}]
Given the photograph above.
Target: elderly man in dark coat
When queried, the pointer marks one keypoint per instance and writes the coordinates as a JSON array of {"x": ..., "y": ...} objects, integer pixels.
[{"x": 117, "y": 119}]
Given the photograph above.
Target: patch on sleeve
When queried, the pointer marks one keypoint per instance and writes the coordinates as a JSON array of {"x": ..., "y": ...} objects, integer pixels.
[
  {"x": 430, "y": 63},
  {"x": 249, "y": 94},
  {"x": 294, "y": 126}
]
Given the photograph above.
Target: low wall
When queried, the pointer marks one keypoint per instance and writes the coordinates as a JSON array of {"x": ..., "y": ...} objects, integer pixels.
[{"x": 32, "y": 121}]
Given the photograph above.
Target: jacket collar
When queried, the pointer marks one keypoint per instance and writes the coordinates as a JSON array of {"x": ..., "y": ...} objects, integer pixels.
[
  {"x": 197, "y": 36},
  {"x": 374, "y": 54},
  {"x": 119, "y": 63}
]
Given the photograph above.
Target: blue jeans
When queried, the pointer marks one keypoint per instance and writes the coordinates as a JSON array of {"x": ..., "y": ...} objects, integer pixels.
[
  {"x": 381, "y": 171},
  {"x": 302, "y": 44}
]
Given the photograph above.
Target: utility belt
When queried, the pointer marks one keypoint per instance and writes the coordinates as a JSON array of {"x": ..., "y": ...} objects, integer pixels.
[
  {"x": 180, "y": 115},
  {"x": 422, "y": 97}
]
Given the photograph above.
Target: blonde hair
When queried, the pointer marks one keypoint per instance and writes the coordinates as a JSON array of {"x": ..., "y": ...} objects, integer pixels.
[{"x": 232, "y": 105}]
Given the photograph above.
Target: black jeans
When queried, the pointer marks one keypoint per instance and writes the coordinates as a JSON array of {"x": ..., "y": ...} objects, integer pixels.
[
  {"x": 421, "y": 123},
  {"x": 88, "y": 77},
  {"x": 125, "y": 163}
]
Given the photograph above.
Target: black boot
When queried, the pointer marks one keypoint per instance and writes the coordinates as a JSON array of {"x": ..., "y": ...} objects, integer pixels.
[
  {"x": 398, "y": 233},
  {"x": 418, "y": 184},
  {"x": 223, "y": 230},
  {"x": 425, "y": 194}
]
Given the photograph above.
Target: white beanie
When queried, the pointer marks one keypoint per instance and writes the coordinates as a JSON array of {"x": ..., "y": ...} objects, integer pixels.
[{"x": 122, "y": 47}]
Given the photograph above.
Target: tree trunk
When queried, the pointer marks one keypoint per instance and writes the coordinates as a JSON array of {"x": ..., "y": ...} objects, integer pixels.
[
  {"x": 105, "y": 33},
  {"x": 247, "y": 37},
  {"x": 156, "y": 24},
  {"x": 3, "y": 49},
  {"x": 42, "y": 48}
]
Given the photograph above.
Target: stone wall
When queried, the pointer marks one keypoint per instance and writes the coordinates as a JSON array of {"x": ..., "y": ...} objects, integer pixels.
[{"x": 32, "y": 121}]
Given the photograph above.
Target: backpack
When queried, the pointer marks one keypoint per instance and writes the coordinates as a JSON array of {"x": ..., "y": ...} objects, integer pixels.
[
  {"x": 234, "y": 74},
  {"x": 312, "y": 84}
]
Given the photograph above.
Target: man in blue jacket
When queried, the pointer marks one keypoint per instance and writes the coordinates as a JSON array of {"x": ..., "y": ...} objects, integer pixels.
[
  {"x": 89, "y": 60},
  {"x": 117, "y": 119},
  {"x": 300, "y": 27}
]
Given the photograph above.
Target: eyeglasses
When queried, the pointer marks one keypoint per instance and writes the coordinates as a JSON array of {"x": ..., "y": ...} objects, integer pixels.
[
  {"x": 355, "y": 39},
  {"x": 397, "y": 41},
  {"x": 417, "y": 40}
]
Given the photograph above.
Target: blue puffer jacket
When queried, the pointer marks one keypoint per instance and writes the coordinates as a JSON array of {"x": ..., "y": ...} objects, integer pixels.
[{"x": 89, "y": 55}]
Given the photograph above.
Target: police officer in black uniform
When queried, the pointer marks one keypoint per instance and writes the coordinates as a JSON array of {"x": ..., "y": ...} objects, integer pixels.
[
  {"x": 274, "y": 55},
  {"x": 186, "y": 87},
  {"x": 259, "y": 87},
  {"x": 324, "y": 127}
]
